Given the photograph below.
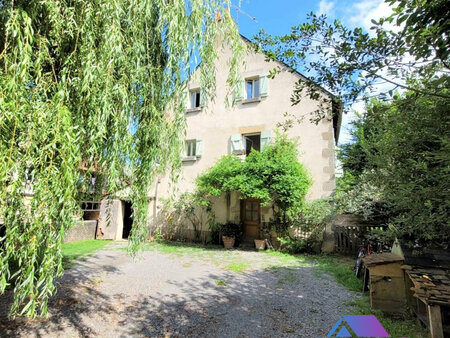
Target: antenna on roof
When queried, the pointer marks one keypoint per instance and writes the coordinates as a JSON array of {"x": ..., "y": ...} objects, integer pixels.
[{"x": 239, "y": 10}]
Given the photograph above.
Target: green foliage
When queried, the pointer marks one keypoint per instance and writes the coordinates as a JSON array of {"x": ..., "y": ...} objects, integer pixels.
[
  {"x": 188, "y": 206},
  {"x": 314, "y": 215},
  {"x": 273, "y": 175},
  {"x": 237, "y": 267},
  {"x": 426, "y": 26},
  {"x": 231, "y": 229},
  {"x": 90, "y": 84},
  {"x": 397, "y": 167},
  {"x": 220, "y": 282},
  {"x": 352, "y": 62},
  {"x": 404, "y": 176},
  {"x": 305, "y": 232},
  {"x": 361, "y": 196},
  {"x": 293, "y": 245}
]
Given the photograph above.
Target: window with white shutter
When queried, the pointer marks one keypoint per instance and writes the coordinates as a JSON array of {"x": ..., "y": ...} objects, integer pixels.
[
  {"x": 237, "y": 144},
  {"x": 192, "y": 149}
]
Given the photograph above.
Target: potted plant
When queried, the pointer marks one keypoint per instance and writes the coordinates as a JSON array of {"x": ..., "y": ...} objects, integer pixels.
[
  {"x": 260, "y": 244},
  {"x": 231, "y": 234}
]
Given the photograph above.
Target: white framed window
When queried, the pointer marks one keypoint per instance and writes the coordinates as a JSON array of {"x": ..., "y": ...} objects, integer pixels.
[
  {"x": 193, "y": 148},
  {"x": 190, "y": 148},
  {"x": 243, "y": 144},
  {"x": 252, "y": 141},
  {"x": 194, "y": 96},
  {"x": 252, "y": 88}
]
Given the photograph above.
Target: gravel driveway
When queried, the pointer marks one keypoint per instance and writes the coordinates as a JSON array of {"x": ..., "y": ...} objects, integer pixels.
[{"x": 189, "y": 292}]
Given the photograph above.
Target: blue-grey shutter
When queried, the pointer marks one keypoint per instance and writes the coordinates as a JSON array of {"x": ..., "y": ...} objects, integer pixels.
[
  {"x": 239, "y": 91},
  {"x": 263, "y": 85},
  {"x": 265, "y": 139},
  {"x": 236, "y": 143},
  {"x": 202, "y": 98},
  {"x": 198, "y": 148},
  {"x": 187, "y": 99}
]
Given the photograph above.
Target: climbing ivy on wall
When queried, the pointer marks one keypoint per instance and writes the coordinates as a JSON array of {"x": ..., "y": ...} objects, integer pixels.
[
  {"x": 86, "y": 85},
  {"x": 273, "y": 175}
]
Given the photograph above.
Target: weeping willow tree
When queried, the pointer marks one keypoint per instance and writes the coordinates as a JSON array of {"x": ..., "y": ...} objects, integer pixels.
[{"x": 86, "y": 86}]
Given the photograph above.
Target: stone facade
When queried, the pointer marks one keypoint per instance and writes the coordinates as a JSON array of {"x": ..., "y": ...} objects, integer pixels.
[
  {"x": 83, "y": 230},
  {"x": 216, "y": 129}
]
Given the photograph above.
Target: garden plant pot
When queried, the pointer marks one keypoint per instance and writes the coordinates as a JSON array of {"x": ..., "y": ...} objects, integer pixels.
[
  {"x": 228, "y": 242},
  {"x": 260, "y": 244}
]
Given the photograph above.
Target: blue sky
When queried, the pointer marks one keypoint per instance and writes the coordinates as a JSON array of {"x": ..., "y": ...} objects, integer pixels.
[{"x": 276, "y": 17}]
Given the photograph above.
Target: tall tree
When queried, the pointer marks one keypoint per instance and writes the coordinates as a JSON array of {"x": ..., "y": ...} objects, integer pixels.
[
  {"x": 96, "y": 85},
  {"x": 399, "y": 162},
  {"x": 410, "y": 43}
]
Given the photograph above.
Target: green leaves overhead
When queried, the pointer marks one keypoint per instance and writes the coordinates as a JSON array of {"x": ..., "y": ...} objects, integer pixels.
[
  {"x": 88, "y": 88},
  {"x": 353, "y": 64}
]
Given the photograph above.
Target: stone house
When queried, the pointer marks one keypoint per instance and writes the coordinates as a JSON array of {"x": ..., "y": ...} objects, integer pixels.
[{"x": 214, "y": 130}]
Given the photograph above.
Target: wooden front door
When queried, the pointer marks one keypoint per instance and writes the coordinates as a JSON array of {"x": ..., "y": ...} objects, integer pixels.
[{"x": 251, "y": 215}]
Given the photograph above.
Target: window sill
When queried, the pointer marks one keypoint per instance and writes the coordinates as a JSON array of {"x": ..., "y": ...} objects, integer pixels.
[
  {"x": 253, "y": 100},
  {"x": 193, "y": 110},
  {"x": 189, "y": 159}
]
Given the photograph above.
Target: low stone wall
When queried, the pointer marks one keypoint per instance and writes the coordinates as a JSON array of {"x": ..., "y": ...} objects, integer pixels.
[{"x": 83, "y": 230}]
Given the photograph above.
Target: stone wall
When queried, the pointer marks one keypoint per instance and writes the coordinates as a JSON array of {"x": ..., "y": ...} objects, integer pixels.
[
  {"x": 110, "y": 222},
  {"x": 83, "y": 230}
]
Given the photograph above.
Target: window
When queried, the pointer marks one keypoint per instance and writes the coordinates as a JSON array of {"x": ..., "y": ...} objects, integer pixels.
[
  {"x": 252, "y": 88},
  {"x": 190, "y": 148},
  {"x": 195, "y": 99},
  {"x": 252, "y": 211},
  {"x": 252, "y": 142}
]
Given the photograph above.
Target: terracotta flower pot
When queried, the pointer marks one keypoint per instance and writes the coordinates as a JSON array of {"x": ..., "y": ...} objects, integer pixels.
[
  {"x": 260, "y": 244},
  {"x": 228, "y": 242}
]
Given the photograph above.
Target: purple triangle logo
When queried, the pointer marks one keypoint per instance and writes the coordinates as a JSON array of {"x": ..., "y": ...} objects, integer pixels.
[{"x": 358, "y": 326}]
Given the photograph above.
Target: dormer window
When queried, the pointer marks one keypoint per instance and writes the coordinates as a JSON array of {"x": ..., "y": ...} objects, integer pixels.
[
  {"x": 194, "y": 98},
  {"x": 252, "y": 88}
]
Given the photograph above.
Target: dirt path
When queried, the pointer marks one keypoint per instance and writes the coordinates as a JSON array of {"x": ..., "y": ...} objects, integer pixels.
[{"x": 189, "y": 293}]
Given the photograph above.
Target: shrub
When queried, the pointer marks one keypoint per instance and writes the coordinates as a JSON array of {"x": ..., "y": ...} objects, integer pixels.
[
  {"x": 273, "y": 175},
  {"x": 190, "y": 207},
  {"x": 400, "y": 162},
  {"x": 306, "y": 229},
  {"x": 231, "y": 229}
]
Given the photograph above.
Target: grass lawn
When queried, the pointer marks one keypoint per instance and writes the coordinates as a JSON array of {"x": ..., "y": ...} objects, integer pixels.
[{"x": 74, "y": 250}]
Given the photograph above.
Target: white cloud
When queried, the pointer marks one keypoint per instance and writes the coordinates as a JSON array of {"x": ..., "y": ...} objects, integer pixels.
[
  {"x": 326, "y": 7},
  {"x": 362, "y": 13}
]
